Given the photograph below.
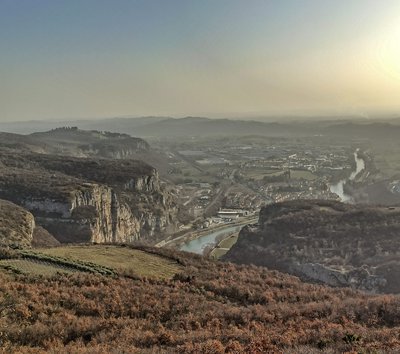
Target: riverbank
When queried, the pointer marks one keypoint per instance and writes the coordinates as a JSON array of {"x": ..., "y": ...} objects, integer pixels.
[
  {"x": 207, "y": 240},
  {"x": 339, "y": 188},
  {"x": 223, "y": 246},
  {"x": 204, "y": 237}
]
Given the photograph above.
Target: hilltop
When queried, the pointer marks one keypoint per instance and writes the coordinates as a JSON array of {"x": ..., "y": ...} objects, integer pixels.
[
  {"x": 76, "y": 142},
  {"x": 326, "y": 241},
  {"x": 351, "y": 127}
]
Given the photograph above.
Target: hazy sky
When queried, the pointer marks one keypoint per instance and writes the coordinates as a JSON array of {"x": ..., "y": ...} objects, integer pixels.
[{"x": 97, "y": 58}]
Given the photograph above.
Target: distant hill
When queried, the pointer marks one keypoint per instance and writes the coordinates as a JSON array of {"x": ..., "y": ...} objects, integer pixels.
[
  {"x": 76, "y": 142},
  {"x": 72, "y": 141},
  {"x": 123, "y": 125},
  {"x": 91, "y": 142},
  {"x": 328, "y": 242},
  {"x": 200, "y": 126},
  {"x": 375, "y": 130},
  {"x": 194, "y": 126},
  {"x": 22, "y": 143}
]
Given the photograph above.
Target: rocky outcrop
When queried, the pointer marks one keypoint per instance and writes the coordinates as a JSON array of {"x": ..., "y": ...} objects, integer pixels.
[
  {"x": 16, "y": 225},
  {"x": 100, "y": 214},
  {"x": 89, "y": 200},
  {"x": 326, "y": 242}
]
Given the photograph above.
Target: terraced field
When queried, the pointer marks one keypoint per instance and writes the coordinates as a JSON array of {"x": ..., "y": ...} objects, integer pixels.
[
  {"x": 101, "y": 259},
  {"x": 28, "y": 266},
  {"x": 119, "y": 258}
]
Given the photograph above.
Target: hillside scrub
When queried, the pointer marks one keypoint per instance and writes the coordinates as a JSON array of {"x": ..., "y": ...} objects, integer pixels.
[
  {"x": 326, "y": 241},
  {"x": 209, "y": 307}
]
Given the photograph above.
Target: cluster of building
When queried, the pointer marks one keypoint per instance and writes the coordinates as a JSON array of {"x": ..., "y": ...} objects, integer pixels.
[
  {"x": 243, "y": 200},
  {"x": 258, "y": 172}
]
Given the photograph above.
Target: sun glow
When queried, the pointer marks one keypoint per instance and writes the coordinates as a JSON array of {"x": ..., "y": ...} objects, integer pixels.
[{"x": 389, "y": 52}]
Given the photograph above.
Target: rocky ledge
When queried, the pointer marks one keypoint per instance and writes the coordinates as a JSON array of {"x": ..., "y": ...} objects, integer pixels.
[{"x": 88, "y": 200}]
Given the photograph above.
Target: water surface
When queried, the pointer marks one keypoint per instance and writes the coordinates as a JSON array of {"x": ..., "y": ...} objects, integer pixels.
[
  {"x": 338, "y": 188},
  {"x": 199, "y": 244}
]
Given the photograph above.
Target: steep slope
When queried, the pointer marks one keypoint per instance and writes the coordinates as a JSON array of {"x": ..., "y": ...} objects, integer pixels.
[
  {"x": 328, "y": 242},
  {"x": 88, "y": 200},
  {"x": 207, "y": 307},
  {"x": 16, "y": 225}
]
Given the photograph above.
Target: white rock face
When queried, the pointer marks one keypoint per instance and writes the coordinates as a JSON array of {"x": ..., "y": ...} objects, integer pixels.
[
  {"x": 96, "y": 214},
  {"x": 358, "y": 278}
]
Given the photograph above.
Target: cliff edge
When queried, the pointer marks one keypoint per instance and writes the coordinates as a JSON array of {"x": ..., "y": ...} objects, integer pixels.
[
  {"x": 88, "y": 199},
  {"x": 327, "y": 242}
]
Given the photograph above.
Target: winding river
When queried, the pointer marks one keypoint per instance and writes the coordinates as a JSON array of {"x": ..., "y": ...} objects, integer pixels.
[
  {"x": 338, "y": 188},
  {"x": 199, "y": 244}
]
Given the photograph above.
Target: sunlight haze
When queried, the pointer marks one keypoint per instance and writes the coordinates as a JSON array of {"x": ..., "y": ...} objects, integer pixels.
[{"x": 86, "y": 59}]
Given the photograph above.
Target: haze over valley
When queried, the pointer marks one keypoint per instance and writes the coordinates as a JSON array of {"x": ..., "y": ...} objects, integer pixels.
[{"x": 199, "y": 177}]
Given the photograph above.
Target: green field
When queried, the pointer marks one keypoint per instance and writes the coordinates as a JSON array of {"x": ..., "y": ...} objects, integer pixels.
[
  {"x": 298, "y": 174},
  {"x": 224, "y": 246},
  {"x": 119, "y": 258},
  {"x": 217, "y": 253},
  {"x": 260, "y": 173},
  {"x": 102, "y": 259},
  {"x": 229, "y": 241},
  {"x": 27, "y": 266}
]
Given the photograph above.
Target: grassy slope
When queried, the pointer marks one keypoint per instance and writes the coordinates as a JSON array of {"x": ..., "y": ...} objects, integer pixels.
[
  {"x": 33, "y": 268},
  {"x": 118, "y": 258},
  {"x": 223, "y": 247}
]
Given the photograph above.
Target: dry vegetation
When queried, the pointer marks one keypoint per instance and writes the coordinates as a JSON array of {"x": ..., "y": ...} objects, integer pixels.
[
  {"x": 360, "y": 243},
  {"x": 16, "y": 224},
  {"x": 26, "y": 266},
  {"x": 208, "y": 307}
]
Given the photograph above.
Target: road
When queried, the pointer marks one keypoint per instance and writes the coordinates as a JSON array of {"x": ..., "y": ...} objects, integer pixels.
[{"x": 224, "y": 189}]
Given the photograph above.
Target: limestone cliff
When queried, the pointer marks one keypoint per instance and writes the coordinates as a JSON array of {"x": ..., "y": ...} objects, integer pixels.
[
  {"x": 327, "y": 242},
  {"x": 89, "y": 200}
]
